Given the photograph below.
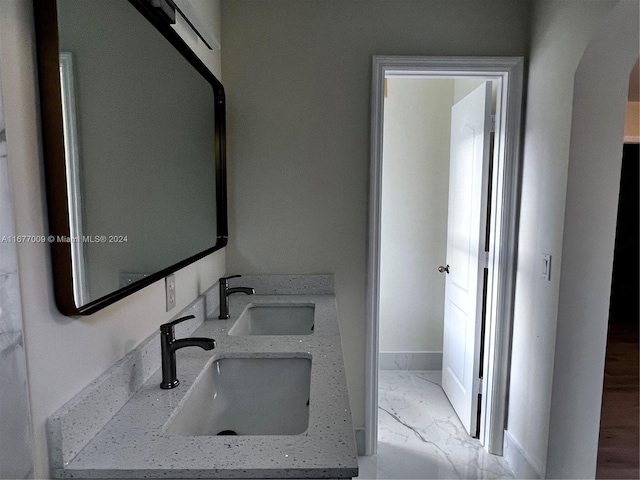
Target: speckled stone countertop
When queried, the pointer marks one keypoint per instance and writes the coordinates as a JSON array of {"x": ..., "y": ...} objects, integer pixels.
[{"x": 132, "y": 444}]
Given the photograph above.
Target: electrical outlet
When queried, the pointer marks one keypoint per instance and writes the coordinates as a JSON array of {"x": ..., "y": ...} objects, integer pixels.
[{"x": 170, "y": 284}]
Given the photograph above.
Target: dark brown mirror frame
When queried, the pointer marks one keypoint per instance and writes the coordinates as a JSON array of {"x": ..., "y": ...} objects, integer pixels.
[{"x": 47, "y": 46}]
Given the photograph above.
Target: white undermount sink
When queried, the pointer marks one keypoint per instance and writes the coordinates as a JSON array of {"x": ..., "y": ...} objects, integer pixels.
[
  {"x": 247, "y": 396},
  {"x": 275, "y": 319}
]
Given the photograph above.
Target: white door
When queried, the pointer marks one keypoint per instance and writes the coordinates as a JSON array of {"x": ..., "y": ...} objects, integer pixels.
[{"x": 465, "y": 262}]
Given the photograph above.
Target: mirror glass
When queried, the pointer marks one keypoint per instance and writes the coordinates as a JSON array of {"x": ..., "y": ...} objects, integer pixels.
[{"x": 143, "y": 137}]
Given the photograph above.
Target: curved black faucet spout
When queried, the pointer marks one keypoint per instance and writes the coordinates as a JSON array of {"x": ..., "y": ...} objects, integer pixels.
[
  {"x": 247, "y": 290},
  {"x": 204, "y": 343},
  {"x": 225, "y": 291}
]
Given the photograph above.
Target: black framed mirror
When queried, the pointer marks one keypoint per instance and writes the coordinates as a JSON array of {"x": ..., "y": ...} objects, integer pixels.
[{"x": 133, "y": 128}]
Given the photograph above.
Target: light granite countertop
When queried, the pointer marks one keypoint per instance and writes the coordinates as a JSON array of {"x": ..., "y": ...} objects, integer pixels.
[{"x": 132, "y": 444}]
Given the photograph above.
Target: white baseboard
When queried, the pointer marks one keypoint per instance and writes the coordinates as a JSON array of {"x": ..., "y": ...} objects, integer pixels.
[
  {"x": 518, "y": 459},
  {"x": 410, "y": 361}
]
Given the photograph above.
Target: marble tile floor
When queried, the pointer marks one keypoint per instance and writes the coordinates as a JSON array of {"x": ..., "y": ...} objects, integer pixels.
[{"x": 420, "y": 436}]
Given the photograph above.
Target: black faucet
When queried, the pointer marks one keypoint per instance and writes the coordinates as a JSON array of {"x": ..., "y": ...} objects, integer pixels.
[
  {"x": 225, "y": 291},
  {"x": 169, "y": 345}
]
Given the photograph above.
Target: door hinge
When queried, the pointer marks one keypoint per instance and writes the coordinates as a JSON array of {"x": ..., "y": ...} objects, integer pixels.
[
  {"x": 477, "y": 386},
  {"x": 485, "y": 259},
  {"x": 493, "y": 123}
]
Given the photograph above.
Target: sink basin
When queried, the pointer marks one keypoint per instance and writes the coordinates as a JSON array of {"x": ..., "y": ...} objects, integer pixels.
[
  {"x": 287, "y": 319},
  {"x": 247, "y": 396}
]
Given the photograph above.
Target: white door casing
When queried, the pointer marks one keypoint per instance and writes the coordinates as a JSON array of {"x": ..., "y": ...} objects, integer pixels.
[
  {"x": 466, "y": 234},
  {"x": 508, "y": 72}
]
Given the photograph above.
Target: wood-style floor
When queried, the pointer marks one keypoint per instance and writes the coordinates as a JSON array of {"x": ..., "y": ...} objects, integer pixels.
[{"x": 619, "y": 444}]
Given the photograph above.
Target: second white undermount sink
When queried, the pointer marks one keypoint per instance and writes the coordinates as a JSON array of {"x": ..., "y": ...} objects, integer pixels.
[{"x": 275, "y": 319}]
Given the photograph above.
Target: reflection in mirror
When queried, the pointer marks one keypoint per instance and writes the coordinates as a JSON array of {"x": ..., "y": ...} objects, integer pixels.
[
  {"x": 143, "y": 150},
  {"x": 72, "y": 163}
]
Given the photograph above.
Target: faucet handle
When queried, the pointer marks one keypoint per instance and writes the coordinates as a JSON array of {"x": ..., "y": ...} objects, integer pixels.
[
  {"x": 227, "y": 278},
  {"x": 167, "y": 327}
]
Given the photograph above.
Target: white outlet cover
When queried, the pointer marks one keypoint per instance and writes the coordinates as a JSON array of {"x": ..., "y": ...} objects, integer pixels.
[{"x": 170, "y": 288}]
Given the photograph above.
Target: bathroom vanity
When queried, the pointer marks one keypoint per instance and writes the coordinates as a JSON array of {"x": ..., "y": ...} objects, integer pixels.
[{"x": 270, "y": 401}]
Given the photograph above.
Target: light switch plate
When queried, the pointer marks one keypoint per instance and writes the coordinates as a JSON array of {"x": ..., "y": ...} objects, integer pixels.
[
  {"x": 546, "y": 266},
  {"x": 170, "y": 285}
]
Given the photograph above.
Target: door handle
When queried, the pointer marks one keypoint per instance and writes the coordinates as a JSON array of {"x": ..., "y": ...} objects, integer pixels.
[{"x": 443, "y": 269}]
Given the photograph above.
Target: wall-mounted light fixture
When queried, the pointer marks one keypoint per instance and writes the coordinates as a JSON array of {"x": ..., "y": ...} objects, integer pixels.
[
  {"x": 188, "y": 12},
  {"x": 166, "y": 8}
]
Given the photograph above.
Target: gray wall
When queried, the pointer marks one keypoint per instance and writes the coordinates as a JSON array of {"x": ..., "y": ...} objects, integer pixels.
[
  {"x": 561, "y": 31},
  {"x": 593, "y": 185},
  {"x": 298, "y": 76}
]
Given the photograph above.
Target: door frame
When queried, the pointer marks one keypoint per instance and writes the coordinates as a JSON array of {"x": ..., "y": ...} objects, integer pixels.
[{"x": 505, "y": 201}]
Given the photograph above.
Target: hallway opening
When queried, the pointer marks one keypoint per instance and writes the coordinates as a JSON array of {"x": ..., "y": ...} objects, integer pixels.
[
  {"x": 424, "y": 133},
  {"x": 442, "y": 179},
  {"x": 415, "y": 236},
  {"x": 618, "y": 444}
]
